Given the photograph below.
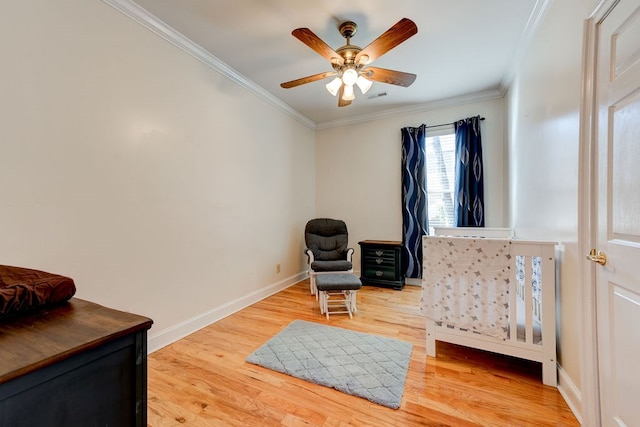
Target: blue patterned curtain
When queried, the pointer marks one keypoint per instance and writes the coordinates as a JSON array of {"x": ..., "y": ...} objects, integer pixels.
[
  {"x": 414, "y": 199},
  {"x": 469, "y": 195}
]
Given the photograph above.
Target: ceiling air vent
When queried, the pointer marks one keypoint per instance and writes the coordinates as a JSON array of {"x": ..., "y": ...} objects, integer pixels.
[{"x": 377, "y": 95}]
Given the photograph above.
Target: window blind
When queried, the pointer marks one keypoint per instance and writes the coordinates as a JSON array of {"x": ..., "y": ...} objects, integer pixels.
[{"x": 440, "y": 156}]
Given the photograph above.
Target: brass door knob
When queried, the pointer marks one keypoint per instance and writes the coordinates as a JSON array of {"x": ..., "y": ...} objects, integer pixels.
[{"x": 599, "y": 257}]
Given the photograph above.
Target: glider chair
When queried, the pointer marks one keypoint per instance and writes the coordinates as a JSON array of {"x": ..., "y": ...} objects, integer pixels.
[{"x": 326, "y": 240}]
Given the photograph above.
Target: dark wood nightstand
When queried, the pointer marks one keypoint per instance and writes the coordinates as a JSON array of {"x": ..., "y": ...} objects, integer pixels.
[{"x": 381, "y": 263}]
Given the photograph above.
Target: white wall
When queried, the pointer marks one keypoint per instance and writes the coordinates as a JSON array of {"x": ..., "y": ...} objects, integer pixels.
[
  {"x": 543, "y": 123},
  {"x": 358, "y": 170},
  {"x": 157, "y": 184}
]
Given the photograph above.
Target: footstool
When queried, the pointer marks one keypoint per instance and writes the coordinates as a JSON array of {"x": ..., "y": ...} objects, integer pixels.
[{"x": 342, "y": 287}]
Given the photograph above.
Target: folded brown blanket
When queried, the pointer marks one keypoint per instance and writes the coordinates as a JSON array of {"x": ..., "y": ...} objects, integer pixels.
[{"x": 23, "y": 290}]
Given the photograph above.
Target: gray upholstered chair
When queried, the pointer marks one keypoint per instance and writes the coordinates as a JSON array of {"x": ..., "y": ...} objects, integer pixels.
[{"x": 327, "y": 248}]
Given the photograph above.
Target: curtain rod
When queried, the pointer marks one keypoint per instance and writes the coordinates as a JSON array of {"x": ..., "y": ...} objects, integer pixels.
[{"x": 445, "y": 124}]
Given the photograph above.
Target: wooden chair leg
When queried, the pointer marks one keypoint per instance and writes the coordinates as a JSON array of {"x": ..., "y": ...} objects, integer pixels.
[
  {"x": 312, "y": 284},
  {"x": 321, "y": 301},
  {"x": 352, "y": 301}
]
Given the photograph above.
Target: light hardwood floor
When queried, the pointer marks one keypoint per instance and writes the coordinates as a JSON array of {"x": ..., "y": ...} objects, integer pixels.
[{"x": 203, "y": 379}]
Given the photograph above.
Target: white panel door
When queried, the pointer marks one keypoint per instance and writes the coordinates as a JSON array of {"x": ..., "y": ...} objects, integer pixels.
[{"x": 618, "y": 214}]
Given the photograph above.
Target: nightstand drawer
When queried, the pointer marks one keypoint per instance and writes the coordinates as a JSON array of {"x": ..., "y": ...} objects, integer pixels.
[
  {"x": 379, "y": 252},
  {"x": 380, "y": 273},
  {"x": 380, "y": 260}
]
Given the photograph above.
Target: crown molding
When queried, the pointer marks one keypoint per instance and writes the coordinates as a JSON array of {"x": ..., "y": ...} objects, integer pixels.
[
  {"x": 157, "y": 26},
  {"x": 411, "y": 109},
  {"x": 160, "y": 28},
  {"x": 538, "y": 12}
]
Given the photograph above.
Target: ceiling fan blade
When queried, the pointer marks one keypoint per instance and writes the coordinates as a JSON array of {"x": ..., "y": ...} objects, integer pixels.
[
  {"x": 307, "y": 37},
  {"x": 391, "y": 38},
  {"x": 388, "y": 76},
  {"x": 342, "y": 102},
  {"x": 308, "y": 79}
]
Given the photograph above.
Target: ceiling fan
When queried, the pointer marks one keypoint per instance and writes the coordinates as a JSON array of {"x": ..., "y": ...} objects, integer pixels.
[{"x": 351, "y": 63}]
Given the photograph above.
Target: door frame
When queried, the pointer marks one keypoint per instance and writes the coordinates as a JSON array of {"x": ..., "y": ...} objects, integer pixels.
[{"x": 587, "y": 217}]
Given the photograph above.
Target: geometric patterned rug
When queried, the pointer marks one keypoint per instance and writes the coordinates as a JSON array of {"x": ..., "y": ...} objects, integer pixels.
[{"x": 363, "y": 365}]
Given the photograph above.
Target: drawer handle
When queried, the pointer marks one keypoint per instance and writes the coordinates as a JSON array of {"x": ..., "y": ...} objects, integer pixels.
[
  {"x": 379, "y": 273},
  {"x": 379, "y": 253},
  {"x": 379, "y": 260}
]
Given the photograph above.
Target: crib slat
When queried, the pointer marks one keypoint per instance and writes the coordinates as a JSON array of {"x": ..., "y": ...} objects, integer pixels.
[
  {"x": 528, "y": 301},
  {"x": 513, "y": 303}
]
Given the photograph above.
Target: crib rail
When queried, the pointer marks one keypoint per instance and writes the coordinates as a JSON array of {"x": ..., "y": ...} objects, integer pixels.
[
  {"x": 532, "y": 317},
  {"x": 532, "y": 289},
  {"x": 491, "y": 232}
]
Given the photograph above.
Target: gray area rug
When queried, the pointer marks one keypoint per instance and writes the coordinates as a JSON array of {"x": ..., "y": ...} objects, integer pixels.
[{"x": 363, "y": 365}]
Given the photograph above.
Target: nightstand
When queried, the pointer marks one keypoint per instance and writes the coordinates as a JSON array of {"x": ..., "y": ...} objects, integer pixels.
[{"x": 381, "y": 263}]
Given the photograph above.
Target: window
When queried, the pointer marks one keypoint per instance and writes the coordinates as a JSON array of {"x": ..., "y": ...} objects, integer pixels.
[{"x": 440, "y": 154}]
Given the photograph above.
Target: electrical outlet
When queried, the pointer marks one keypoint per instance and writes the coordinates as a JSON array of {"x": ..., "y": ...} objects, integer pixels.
[{"x": 277, "y": 268}]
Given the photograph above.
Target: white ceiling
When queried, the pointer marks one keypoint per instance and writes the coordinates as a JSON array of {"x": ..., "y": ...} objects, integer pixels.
[{"x": 462, "y": 46}]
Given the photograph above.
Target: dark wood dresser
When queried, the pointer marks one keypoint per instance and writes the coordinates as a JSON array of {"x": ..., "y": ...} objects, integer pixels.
[
  {"x": 77, "y": 364},
  {"x": 381, "y": 263}
]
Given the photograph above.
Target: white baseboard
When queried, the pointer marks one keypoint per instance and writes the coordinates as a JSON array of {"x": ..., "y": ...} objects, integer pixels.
[
  {"x": 173, "y": 333},
  {"x": 412, "y": 282},
  {"x": 570, "y": 393}
]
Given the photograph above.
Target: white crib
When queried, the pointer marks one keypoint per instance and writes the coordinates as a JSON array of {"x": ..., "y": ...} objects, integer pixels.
[{"x": 531, "y": 302}]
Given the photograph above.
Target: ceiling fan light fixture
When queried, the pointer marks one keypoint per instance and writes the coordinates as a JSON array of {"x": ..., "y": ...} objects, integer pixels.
[
  {"x": 348, "y": 61},
  {"x": 334, "y": 85},
  {"x": 349, "y": 76},
  {"x": 364, "y": 84},
  {"x": 348, "y": 94}
]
